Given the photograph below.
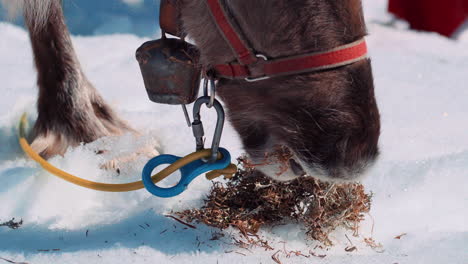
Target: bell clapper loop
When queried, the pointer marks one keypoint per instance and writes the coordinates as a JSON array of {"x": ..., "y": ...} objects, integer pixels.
[
  {"x": 187, "y": 117},
  {"x": 212, "y": 93}
]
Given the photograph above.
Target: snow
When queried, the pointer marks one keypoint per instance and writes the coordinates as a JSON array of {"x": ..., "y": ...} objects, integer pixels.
[{"x": 419, "y": 184}]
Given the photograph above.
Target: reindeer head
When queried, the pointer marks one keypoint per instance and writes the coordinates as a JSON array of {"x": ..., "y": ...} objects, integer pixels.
[{"x": 324, "y": 124}]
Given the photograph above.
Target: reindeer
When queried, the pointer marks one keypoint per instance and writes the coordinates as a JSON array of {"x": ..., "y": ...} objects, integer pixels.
[{"x": 326, "y": 121}]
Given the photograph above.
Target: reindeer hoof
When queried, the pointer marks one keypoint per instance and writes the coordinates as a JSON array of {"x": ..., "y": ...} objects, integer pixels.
[{"x": 49, "y": 145}]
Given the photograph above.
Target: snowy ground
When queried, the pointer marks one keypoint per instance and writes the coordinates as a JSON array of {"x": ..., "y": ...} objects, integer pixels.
[{"x": 420, "y": 182}]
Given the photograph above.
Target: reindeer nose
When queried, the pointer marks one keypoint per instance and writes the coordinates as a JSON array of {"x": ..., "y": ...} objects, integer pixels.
[{"x": 296, "y": 168}]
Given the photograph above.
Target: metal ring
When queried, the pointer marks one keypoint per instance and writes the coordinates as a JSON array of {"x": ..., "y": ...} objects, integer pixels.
[
  {"x": 212, "y": 95},
  {"x": 205, "y": 87}
]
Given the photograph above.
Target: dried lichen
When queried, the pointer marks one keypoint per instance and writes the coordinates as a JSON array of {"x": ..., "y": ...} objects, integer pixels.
[
  {"x": 12, "y": 224},
  {"x": 251, "y": 200}
]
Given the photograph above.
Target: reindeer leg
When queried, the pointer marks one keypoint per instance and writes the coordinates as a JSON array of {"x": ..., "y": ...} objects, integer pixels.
[{"x": 70, "y": 110}]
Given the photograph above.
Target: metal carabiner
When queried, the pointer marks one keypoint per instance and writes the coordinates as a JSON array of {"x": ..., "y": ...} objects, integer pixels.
[{"x": 197, "y": 126}]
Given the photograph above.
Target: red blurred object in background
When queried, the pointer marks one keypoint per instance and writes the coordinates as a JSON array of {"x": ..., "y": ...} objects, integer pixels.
[{"x": 442, "y": 16}]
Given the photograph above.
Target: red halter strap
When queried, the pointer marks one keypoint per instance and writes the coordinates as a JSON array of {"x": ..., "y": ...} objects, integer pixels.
[{"x": 257, "y": 67}]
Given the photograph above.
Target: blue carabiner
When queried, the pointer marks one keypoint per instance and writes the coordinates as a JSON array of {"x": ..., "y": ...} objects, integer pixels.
[{"x": 188, "y": 173}]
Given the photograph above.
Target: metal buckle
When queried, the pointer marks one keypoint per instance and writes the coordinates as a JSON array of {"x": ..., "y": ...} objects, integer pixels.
[{"x": 248, "y": 79}]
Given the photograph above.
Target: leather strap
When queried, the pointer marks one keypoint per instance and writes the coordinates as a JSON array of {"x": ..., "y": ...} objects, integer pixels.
[
  {"x": 169, "y": 18},
  {"x": 340, "y": 56},
  {"x": 255, "y": 67},
  {"x": 243, "y": 53}
]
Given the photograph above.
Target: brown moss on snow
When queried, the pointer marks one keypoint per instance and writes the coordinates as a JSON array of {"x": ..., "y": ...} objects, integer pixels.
[{"x": 251, "y": 200}]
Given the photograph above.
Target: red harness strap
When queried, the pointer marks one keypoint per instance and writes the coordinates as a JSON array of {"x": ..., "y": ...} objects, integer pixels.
[
  {"x": 243, "y": 53},
  {"x": 256, "y": 67}
]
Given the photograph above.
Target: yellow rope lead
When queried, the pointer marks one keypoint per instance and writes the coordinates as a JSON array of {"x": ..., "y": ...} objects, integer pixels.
[{"x": 124, "y": 187}]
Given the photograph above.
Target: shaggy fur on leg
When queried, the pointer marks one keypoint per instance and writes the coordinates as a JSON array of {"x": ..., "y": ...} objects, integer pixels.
[{"x": 70, "y": 110}]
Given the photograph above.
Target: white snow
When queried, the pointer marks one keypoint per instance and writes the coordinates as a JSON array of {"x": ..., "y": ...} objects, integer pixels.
[
  {"x": 133, "y": 2},
  {"x": 419, "y": 184}
]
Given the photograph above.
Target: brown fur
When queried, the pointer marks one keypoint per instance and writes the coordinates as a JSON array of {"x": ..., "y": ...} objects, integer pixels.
[{"x": 328, "y": 119}]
